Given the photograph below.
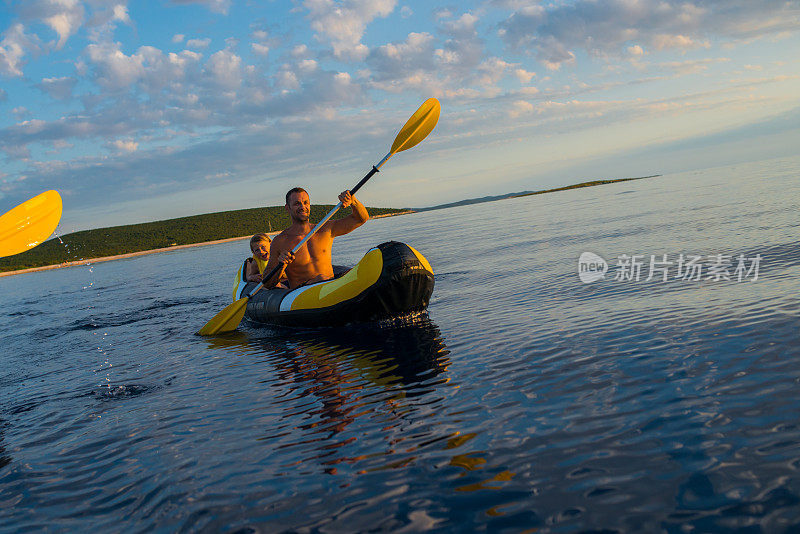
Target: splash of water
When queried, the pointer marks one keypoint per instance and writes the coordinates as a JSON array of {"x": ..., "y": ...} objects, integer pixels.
[{"x": 103, "y": 345}]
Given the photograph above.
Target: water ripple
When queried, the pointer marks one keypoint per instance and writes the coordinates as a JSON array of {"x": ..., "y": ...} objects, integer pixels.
[{"x": 526, "y": 400}]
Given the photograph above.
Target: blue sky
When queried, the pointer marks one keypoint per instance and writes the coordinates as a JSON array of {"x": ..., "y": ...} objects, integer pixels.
[{"x": 138, "y": 111}]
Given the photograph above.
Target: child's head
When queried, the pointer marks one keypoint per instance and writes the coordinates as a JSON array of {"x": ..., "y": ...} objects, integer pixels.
[{"x": 259, "y": 244}]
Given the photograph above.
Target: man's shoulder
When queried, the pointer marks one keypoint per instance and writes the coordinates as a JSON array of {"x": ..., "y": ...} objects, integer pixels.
[
  {"x": 286, "y": 234},
  {"x": 289, "y": 235}
]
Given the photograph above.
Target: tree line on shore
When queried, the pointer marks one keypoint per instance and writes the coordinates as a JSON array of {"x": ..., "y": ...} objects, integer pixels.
[{"x": 101, "y": 242}]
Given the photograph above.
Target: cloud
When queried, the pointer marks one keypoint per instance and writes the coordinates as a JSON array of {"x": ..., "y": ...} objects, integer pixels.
[
  {"x": 635, "y": 51},
  {"x": 63, "y": 16},
  {"x": 260, "y": 49},
  {"x": 216, "y": 6},
  {"x": 453, "y": 62},
  {"x": 198, "y": 43},
  {"x": 13, "y": 47},
  {"x": 169, "y": 99},
  {"x": 108, "y": 11},
  {"x": 58, "y": 88},
  {"x": 148, "y": 66},
  {"x": 663, "y": 41},
  {"x": 266, "y": 152},
  {"x": 125, "y": 145},
  {"x": 114, "y": 69},
  {"x": 520, "y": 107},
  {"x": 691, "y": 66},
  {"x": 225, "y": 68},
  {"x": 396, "y": 60},
  {"x": 153, "y": 120},
  {"x": 523, "y": 75},
  {"x": 344, "y": 22},
  {"x": 554, "y": 32}
]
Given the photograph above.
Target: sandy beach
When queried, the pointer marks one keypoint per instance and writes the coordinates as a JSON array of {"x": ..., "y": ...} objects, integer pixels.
[
  {"x": 123, "y": 256},
  {"x": 156, "y": 250}
]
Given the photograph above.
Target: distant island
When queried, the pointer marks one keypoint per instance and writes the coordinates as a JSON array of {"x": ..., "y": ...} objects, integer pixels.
[
  {"x": 85, "y": 245},
  {"x": 107, "y": 243},
  {"x": 528, "y": 193}
]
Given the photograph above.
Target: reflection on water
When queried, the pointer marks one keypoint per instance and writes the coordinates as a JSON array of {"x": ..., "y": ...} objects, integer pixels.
[
  {"x": 406, "y": 354},
  {"x": 528, "y": 400},
  {"x": 334, "y": 377},
  {"x": 4, "y": 458}
]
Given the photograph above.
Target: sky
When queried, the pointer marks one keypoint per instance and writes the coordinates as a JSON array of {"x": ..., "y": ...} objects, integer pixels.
[{"x": 149, "y": 110}]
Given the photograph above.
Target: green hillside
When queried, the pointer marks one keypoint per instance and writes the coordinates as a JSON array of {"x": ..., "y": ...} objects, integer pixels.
[{"x": 102, "y": 242}]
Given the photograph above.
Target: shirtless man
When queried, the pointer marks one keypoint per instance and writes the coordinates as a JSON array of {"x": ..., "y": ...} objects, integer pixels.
[{"x": 312, "y": 263}]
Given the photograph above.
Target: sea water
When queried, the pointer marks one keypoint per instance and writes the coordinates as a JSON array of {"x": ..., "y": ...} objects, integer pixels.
[{"x": 527, "y": 400}]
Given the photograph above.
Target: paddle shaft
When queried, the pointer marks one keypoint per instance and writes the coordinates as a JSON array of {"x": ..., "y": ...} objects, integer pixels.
[{"x": 277, "y": 268}]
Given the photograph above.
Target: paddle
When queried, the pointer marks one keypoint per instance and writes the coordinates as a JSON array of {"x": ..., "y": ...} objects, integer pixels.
[
  {"x": 30, "y": 223},
  {"x": 415, "y": 130}
]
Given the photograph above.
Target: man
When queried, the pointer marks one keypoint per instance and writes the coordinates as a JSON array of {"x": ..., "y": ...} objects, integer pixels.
[{"x": 312, "y": 263}]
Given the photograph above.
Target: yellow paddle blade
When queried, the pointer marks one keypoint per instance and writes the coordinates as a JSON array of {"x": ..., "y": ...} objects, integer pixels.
[
  {"x": 418, "y": 126},
  {"x": 227, "y": 320},
  {"x": 30, "y": 223}
]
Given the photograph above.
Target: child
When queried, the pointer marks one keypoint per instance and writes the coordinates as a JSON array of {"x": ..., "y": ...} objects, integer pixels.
[{"x": 259, "y": 244}]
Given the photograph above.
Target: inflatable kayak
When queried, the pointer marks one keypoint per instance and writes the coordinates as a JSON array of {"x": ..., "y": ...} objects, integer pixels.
[{"x": 391, "y": 280}]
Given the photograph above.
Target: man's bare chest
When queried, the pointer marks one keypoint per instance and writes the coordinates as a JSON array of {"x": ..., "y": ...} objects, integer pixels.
[{"x": 317, "y": 247}]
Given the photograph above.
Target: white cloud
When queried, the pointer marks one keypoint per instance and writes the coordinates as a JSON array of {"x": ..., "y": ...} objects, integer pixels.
[
  {"x": 260, "y": 49},
  {"x": 148, "y": 66},
  {"x": 344, "y": 22},
  {"x": 15, "y": 44},
  {"x": 198, "y": 43},
  {"x": 554, "y": 32},
  {"x": 635, "y": 51},
  {"x": 108, "y": 11},
  {"x": 217, "y": 6},
  {"x": 58, "y": 88},
  {"x": 225, "y": 68},
  {"x": 465, "y": 24},
  {"x": 121, "y": 13},
  {"x": 286, "y": 80},
  {"x": 300, "y": 50},
  {"x": 393, "y": 60},
  {"x": 662, "y": 41},
  {"x": 442, "y": 13},
  {"x": 523, "y": 75},
  {"x": 62, "y": 16},
  {"x": 12, "y": 51},
  {"x": 453, "y": 65},
  {"x": 692, "y": 66},
  {"x": 178, "y": 38},
  {"x": 307, "y": 65},
  {"x": 115, "y": 70},
  {"x": 125, "y": 145},
  {"x": 520, "y": 107}
]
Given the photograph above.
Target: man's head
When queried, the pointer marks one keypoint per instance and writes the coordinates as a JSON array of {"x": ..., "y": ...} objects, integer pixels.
[{"x": 298, "y": 204}]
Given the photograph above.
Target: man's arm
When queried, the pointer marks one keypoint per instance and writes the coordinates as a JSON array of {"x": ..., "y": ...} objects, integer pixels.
[
  {"x": 278, "y": 254},
  {"x": 357, "y": 217}
]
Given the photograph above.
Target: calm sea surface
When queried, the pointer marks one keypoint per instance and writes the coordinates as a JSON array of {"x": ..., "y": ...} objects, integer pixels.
[{"x": 527, "y": 400}]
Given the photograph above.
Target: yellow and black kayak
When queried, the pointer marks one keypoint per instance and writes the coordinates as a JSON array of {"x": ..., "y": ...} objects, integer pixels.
[{"x": 391, "y": 280}]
